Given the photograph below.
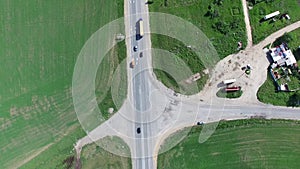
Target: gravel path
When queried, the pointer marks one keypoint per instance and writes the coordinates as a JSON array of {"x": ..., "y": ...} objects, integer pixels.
[{"x": 247, "y": 22}]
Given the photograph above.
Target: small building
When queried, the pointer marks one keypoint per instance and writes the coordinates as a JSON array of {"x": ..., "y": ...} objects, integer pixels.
[
  {"x": 196, "y": 77},
  {"x": 271, "y": 15}
]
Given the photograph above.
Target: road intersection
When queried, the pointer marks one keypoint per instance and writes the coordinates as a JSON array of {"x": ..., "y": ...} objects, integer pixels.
[{"x": 155, "y": 109}]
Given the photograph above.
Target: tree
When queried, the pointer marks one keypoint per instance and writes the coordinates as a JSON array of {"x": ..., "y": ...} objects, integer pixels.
[
  {"x": 284, "y": 38},
  {"x": 222, "y": 27},
  {"x": 294, "y": 100},
  {"x": 218, "y": 2},
  {"x": 212, "y": 12},
  {"x": 234, "y": 24}
]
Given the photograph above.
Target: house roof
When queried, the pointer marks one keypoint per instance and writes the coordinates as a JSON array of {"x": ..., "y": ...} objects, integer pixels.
[{"x": 281, "y": 54}]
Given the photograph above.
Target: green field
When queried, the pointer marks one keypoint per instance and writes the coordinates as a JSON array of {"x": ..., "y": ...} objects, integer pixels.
[
  {"x": 93, "y": 156},
  {"x": 262, "y": 30},
  {"x": 266, "y": 92},
  {"x": 224, "y": 29},
  {"x": 222, "y": 24},
  {"x": 254, "y": 143},
  {"x": 40, "y": 41}
]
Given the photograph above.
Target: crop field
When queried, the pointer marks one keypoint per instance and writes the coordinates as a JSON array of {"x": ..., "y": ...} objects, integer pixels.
[
  {"x": 222, "y": 23},
  {"x": 261, "y": 30},
  {"x": 254, "y": 143},
  {"x": 266, "y": 92},
  {"x": 39, "y": 43}
]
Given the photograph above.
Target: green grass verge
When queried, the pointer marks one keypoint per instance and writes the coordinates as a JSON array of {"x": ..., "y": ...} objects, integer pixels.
[
  {"x": 40, "y": 41},
  {"x": 104, "y": 79},
  {"x": 231, "y": 95},
  {"x": 254, "y": 143},
  {"x": 94, "y": 156},
  {"x": 262, "y": 30},
  {"x": 175, "y": 66},
  {"x": 266, "y": 92}
]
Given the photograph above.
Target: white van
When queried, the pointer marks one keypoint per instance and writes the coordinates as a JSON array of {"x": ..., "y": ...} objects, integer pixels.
[{"x": 229, "y": 81}]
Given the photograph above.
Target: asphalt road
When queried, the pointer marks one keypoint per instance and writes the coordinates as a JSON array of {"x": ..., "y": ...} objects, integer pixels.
[
  {"x": 150, "y": 105},
  {"x": 140, "y": 89}
]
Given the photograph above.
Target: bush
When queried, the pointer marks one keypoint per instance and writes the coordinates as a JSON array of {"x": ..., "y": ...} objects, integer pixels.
[
  {"x": 294, "y": 100},
  {"x": 221, "y": 26},
  {"x": 231, "y": 95}
]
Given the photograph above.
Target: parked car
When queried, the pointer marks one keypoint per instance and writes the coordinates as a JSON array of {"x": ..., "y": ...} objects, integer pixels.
[{"x": 199, "y": 123}]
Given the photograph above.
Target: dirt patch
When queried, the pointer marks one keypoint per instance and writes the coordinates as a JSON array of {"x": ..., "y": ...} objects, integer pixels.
[
  {"x": 215, "y": 153},
  {"x": 5, "y": 123}
]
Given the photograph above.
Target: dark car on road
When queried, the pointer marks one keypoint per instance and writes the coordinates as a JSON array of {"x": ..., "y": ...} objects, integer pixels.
[
  {"x": 135, "y": 48},
  {"x": 138, "y": 130}
]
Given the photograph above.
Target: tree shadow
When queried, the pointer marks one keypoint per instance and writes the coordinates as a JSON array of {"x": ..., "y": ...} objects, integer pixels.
[
  {"x": 296, "y": 53},
  {"x": 207, "y": 14},
  {"x": 149, "y": 2},
  {"x": 294, "y": 100},
  {"x": 269, "y": 57}
]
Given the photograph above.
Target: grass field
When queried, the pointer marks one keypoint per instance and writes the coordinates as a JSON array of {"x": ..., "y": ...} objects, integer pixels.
[
  {"x": 262, "y": 30},
  {"x": 222, "y": 24},
  {"x": 93, "y": 156},
  {"x": 254, "y": 143},
  {"x": 173, "y": 65},
  {"x": 39, "y": 43},
  {"x": 225, "y": 29},
  {"x": 266, "y": 92}
]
